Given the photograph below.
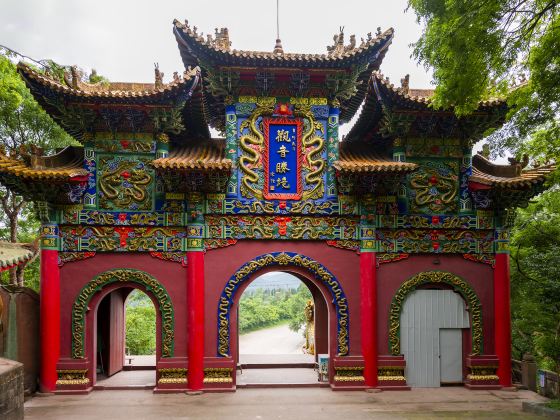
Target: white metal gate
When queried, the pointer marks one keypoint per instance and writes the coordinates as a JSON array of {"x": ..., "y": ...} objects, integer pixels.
[{"x": 424, "y": 314}]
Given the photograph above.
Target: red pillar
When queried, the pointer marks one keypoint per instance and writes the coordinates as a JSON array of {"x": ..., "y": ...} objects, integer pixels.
[
  {"x": 502, "y": 318},
  {"x": 368, "y": 289},
  {"x": 50, "y": 319},
  {"x": 195, "y": 319}
]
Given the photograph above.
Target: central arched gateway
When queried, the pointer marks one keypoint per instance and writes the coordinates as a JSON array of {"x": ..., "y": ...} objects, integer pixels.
[{"x": 307, "y": 269}]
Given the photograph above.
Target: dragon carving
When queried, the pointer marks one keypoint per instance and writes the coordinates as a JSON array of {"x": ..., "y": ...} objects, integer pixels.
[
  {"x": 126, "y": 185},
  {"x": 314, "y": 160},
  {"x": 250, "y": 159},
  {"x": 435, "y": 189}
]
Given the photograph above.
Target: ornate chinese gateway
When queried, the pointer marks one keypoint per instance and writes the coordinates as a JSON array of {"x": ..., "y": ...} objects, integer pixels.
[{"x": 397, "y": 210}]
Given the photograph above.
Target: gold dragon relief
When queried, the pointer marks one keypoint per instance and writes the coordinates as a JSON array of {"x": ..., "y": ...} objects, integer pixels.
[
  {"x": 434, "y": 188},
  {"x": 125, "y": 184},
  {"x": 312, "y": 146},
  {"x": 252, "y": 147}
]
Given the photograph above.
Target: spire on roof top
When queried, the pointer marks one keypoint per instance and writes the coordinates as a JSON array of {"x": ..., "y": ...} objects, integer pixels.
[{"x": 278, "y": 47}]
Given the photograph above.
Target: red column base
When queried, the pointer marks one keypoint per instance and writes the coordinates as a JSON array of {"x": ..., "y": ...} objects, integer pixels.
[
  {"x": 391, "y": 373},
  {"x": 348, "y": 373},
  {"x": 171, "y": 375},
  {"x": 482, "y": 372},
  {"x": 74, "y": 377},
  {"x": 219, "y": 374}
]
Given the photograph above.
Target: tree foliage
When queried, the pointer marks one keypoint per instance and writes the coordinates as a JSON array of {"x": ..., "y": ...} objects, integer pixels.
[
  {"x": 265, "y": 308},
  {"x": 140, "y": 324},
  {"x": 486, "y": 48},
  {"x": 535, "y": 281},
  {"x": 23, "y": 123}
]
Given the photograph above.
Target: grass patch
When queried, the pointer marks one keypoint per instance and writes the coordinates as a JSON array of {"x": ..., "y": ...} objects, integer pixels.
[{"x": 554, "y": 404}]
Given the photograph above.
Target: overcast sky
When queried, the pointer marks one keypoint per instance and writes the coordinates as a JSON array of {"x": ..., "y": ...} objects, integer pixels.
[{"x": 123, "y": 38}]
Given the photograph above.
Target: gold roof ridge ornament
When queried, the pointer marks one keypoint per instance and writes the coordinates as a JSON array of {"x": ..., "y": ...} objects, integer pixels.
[{"x": 221, "y": 43}]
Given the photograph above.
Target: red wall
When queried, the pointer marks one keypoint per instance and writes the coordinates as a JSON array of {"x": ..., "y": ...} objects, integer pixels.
[
  {"x": 221, "y": 264},
  {"x": 75, "y": 275},
  {"x": 392, "y": 275}
]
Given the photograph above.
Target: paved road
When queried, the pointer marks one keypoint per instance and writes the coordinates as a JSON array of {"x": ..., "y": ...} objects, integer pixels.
[
  {"x": 275, "y": 340},
  {"x": 301, "y": 403}
]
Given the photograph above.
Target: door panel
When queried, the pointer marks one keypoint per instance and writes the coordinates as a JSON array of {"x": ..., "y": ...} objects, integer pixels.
[
  {"x": 451, "y": 355},
  {"x": 116, "y": 333}
]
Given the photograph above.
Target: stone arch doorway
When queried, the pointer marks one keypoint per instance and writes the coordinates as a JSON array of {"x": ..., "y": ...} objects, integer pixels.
[
  {"x": 435, "y": 322},
  {"x": 103, "y": 300},
  {"x": 328, "y": 295}
]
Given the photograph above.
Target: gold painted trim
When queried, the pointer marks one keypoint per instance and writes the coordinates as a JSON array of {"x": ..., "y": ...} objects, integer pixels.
[
  {"x": 483, "y": 377},
  {"x": 338, "y": 378}
]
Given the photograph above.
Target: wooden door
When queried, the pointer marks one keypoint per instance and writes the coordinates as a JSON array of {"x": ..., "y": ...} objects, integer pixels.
[{"x": 116, "y": 333}]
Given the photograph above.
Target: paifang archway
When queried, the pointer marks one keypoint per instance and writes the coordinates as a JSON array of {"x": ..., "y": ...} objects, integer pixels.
[
  {"x": 107, "y": 278},
  {"x": 282, "y": 259}
]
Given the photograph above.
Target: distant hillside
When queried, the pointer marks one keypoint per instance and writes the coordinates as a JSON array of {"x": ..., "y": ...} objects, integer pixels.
[{"x": 274, "y": 281}]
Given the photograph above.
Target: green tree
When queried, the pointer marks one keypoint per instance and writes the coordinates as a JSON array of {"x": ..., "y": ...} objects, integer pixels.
[
  {"x": 266, "y": 308},
  {"x": 140, "y": 324},
  {"x": 23, "y": 123},
  {"x": 295, "y": 307},
  {"x": 535, "y": 280},
  {"x": 484, "y": 48}
]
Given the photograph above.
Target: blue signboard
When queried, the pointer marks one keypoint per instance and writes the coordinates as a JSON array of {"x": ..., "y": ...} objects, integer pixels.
[{"x": 282, "y": 159}]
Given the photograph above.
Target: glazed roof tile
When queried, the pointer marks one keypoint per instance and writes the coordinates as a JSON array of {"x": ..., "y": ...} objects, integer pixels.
[
  {"x": 14, "y": 254},
  {"x": 507, "y": 176},
  {"x": 420, "y": 96},
  {"x": 202, "y": 155},
  {"x": 364, "y": 58},
  {"x": 381, "y": 93},
  {"x": 196, "y": 45},
  {"x": 360, "y": 158},
  {"x": 112, "y": 91},
  {"x": 60, "y": 167}
]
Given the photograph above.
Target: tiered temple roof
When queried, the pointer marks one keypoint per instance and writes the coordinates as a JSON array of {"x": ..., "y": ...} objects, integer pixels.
[
  {"x": 489, "y": 174},
  {"x": 341, "y": 74},
  {"x": 64, "y": 166},
  {"x": 384, "y": 100},
  {"x": 80, "y": 107},
  {"x": 14, "y": 254},
  {"x": 45, "y": 178},
  {"x": 347, "y": 74},
  {"x": 361, "y": 158},
  {"x": 197, "y": 155}
]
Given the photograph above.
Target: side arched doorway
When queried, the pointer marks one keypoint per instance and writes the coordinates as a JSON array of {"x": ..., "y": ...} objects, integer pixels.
[
  {"x": 435, "y": 322},
  {"x": 329, "y": 299},
  {"x": 98, "y": 313}
]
